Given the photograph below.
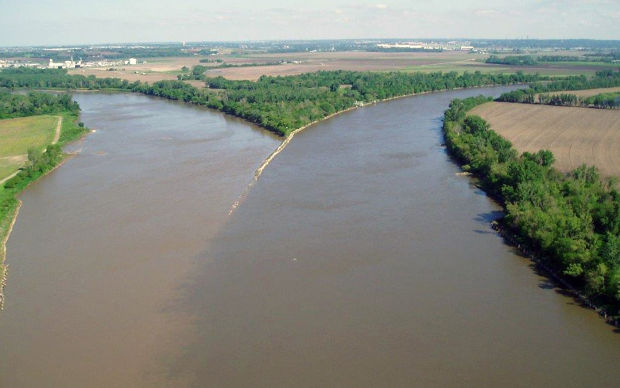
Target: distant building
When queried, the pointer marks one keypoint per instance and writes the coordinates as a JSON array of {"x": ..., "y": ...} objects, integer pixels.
[
  {"x": 401, "y": 45},
  {"x": 63, "y": 65},
  {"x": 133, "y": 61},
  {"x": 467, "y": 48}
]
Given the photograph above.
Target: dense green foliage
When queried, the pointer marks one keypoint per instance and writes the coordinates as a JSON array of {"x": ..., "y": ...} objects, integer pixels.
[
  {"x": 280, "y": 104},
  {"x": 512, "y": 60},
  {"x": 38, "y": 164},
  {"x": 23, "y": 77},
  {"x": 602, "y": 79},
  {"x": 530, "y": 60},
  {"x": 603, "y": 100},
  {"x": 572, "y": 220},
  {"x": 33, "y": 103}
]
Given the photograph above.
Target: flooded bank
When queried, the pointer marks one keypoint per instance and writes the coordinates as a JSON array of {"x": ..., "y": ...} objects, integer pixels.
[{"x": 360, "y": 258}]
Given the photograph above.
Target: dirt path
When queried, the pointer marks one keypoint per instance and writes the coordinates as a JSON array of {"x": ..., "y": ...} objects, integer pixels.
[
  {"x": 57, "y": 133},
  {"x": 8, "y": 177}
]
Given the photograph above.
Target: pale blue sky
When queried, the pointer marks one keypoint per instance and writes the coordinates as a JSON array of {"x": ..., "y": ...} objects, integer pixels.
[{"x": 56, "y": 22}]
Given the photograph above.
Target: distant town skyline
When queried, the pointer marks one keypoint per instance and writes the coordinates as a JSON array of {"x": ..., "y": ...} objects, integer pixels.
[{"x": 66, "y": 22}]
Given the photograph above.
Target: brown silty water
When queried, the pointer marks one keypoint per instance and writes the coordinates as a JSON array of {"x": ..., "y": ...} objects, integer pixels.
[
  {"x": 101, "y": 244},
  {"x": 359, "y": 258}
]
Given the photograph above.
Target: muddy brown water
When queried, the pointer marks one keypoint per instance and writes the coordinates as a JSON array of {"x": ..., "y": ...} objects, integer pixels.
[{"x": 359, "y": 259}]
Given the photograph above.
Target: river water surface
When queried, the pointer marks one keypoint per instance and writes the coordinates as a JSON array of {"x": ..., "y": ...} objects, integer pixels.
[{"x": 359, "y": 259}]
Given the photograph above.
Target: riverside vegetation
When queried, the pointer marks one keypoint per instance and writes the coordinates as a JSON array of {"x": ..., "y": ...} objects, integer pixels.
[
  {"x": 535, "y": 93},
  {"x": 279, "y": 104},
  {"x": 39, "y": 162},
  {"x": 572, "y": 221}
]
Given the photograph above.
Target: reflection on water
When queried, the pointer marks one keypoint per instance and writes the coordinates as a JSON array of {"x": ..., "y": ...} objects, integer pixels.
[{"x": 359, "y": 259}]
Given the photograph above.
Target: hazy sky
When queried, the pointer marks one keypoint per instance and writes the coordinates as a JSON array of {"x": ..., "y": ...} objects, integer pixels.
[{"x": 52, "y": 22}]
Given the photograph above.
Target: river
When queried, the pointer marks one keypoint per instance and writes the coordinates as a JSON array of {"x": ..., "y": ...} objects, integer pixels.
[{"x": 359, "y": 258}]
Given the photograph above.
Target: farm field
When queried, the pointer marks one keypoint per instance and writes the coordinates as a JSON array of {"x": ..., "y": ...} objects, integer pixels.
[
  {"x": 574, "y": 135},
  {"x": 20, "y": 134},
  {"x": 157, "y": 69}
]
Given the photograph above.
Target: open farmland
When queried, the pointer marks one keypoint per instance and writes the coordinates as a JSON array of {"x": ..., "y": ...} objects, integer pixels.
[
  {"x": 574, "y": 135},
  {"x": 158, "y": 69},
  {"x": 298, "y": 63},
  {"x": 459, "y": 61},
  {"x": 251, "y": 66}
]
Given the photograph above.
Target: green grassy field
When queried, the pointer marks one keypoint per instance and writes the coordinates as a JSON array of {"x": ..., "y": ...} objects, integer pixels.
[
  {"x": 7, "y": 168},
  {"x": 20, "y": 134},
  {"x": 25, "y": 132}
]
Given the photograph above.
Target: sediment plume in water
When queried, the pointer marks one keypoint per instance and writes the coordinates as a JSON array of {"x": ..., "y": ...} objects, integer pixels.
[
  {"x": 288, "y": 139},
  {"x": 261, "y": 168},
  {"x": 275, "y": 153}
]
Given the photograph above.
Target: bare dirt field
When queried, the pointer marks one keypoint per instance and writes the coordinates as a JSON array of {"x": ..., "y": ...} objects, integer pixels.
[
  {"x": 157, "y": 69},
  {"x": 574, "y": 135},
  {"x": 196, "y": 83},
  {"x": 298, "y": 63},
  {"x": 130, "y": 74}
]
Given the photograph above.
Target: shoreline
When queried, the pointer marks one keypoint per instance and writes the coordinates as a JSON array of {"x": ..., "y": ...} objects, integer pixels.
[
  {"x": 4, "y": 268},
  {"x": 512, "y": 240},
  {"x": 258, "y": 172},
  {"x": 3, "y": 249}
]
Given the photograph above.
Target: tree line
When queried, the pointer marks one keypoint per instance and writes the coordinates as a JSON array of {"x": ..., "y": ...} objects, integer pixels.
[
  {"x": 531, "y": 60},
  {"x": 535, "y": 94},
  {"x": 512, "y": 60},
  {"x": 34, "y": 103},
  {"x": 572, "y": 220},
  {"x": 280, "y": 104}
]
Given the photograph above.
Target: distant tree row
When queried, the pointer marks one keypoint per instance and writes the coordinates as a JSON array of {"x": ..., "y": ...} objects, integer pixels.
[
  {"x": 530, "y": 60},
  {"x": 33, "y": 103},
  {"x": 280, "y": 104},
  {"x": 535, "y": 94},
  {"x": 512, "y": 60},
  {"x": 571, "y": 220}
]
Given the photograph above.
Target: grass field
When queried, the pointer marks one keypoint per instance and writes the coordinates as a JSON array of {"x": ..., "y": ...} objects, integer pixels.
[
  {"x": 574, "y": 135},
  {"x": 20, "y": 134}
]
